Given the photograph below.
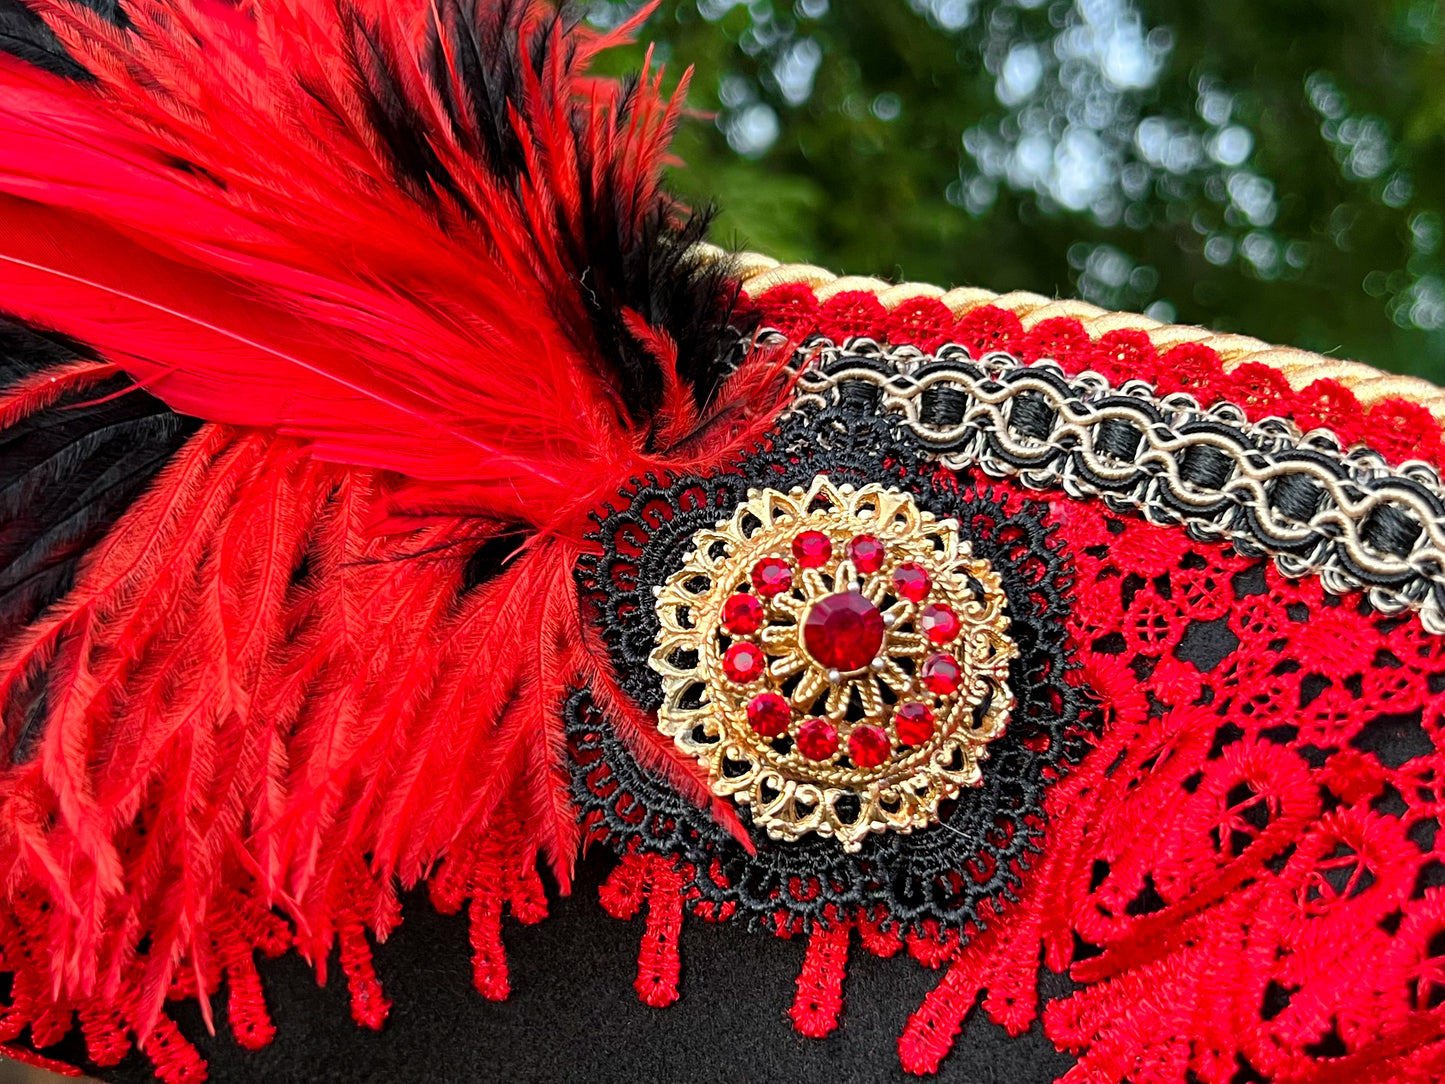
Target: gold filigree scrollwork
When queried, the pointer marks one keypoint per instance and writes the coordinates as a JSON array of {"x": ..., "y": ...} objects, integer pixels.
[{"x": 836, "y": 659}]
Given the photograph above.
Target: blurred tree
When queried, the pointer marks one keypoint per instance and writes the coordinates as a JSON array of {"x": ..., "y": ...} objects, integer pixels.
[{"x": 1275, "y": 168}]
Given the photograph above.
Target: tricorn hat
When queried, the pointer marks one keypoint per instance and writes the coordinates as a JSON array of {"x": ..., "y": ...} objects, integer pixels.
[{"x": 409, "y": 527}]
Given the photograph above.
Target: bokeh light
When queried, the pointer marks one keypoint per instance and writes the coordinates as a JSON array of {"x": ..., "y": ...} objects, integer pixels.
[{"x": 1276, "y": 169}]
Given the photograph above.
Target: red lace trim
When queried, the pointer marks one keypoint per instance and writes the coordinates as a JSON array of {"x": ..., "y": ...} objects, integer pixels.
[{"x": 1235, "y": 876}]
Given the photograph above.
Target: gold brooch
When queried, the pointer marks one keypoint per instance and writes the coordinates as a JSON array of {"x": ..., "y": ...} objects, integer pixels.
[{"x": 836, "y": 658}]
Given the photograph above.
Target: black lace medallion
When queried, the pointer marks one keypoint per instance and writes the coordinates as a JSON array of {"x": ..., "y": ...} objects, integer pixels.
[{"x": 937, "y": 875}]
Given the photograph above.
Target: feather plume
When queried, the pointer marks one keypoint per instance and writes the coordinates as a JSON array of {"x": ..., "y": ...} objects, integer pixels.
[
  {"x": 414, "y": 269},
  {"x": 415, "y": 245}
]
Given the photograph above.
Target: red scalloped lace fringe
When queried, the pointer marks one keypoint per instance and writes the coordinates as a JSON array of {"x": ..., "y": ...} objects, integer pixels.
[{"x": 488, "y": 876}]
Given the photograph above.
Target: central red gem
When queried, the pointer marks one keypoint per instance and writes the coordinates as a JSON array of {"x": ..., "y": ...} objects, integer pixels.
[{"x": 843, "y": 631}]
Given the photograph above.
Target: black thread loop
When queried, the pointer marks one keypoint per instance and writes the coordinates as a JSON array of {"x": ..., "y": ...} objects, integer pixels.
[
  {"x": 941, "y": 406},
  {"x": 1390, "y": 530},
  {"x": 1031, "y": 416},
  {"x": 1296, "y": 496},
  {"x": 1118, "y": 440},
  {"x": 1205, "y": 467}
]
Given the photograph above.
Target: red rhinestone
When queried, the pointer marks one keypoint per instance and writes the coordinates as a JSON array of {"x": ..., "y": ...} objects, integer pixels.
[
  {"x": 938, "y": 622},
  {"x": 914, "y": 722},
  {"x": 867, "y": 553},
  {"x": 911, "y": 581},
  {"x": 769, "y": 714},
  {"x": 817, "y": 739},
  {"x": 812, "y": 549},
  {"x": 843, "y": 631},
  {"x": 941, "y": 674},
  {"x": 772, "y": 576},
  {"x": 868, "y": 746},
  {"x": 742, "y": 614},
  {"x": 743, "y": 662}
]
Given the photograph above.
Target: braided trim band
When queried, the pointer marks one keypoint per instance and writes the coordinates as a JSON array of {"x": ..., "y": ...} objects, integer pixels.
[
  {"x": 1346, "y": 516},
  {"x": 757, "y": 274}
]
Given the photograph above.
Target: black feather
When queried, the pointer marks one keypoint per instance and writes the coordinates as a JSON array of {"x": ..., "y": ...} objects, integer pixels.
[
  {"x": 22, "y": 717},
  {"x": 24, "y": 34},
  {"x": 486, "y": 54},
  {"x": 490, "y": 558},
  {"x": 612, "y": 265},
  {"x": 67, "y": 473},
  {"x": 395, "y": 117},
  {"x": 37, "y": 557}
]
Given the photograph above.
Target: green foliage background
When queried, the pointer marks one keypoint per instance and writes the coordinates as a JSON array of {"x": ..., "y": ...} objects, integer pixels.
[{"x": 1275, "y": 167}]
